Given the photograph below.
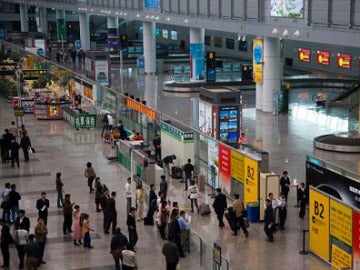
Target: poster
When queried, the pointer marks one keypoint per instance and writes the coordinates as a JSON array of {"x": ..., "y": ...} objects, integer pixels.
[
  {"x": 323, "y": 58},
  {"x": 113, "y": 40},
  {"x": 340, "y": 234},
  {"x": 213, "y": 163},
  {"x": 41, "y": 45},
  {"x": 287, "y": 8},
  {"x": 152, "y": 3},
  {"x": 225, "y": 168},
  {"x": 258, "y": 59},
  {"x": 2, "y": 34},
  {"x": 237, "y": 166},
  {"x": 102, "y": 72},
  {"x": 61, "y": 29},
  {"x": 197, "y": 71},
  {"x": 205, "y": 118},
  {"x": 319, "y": 224},
  {"x": 356, "y": 240},
  {"x": 251, "y": 183},
  {"x": 228, "y": 122}
]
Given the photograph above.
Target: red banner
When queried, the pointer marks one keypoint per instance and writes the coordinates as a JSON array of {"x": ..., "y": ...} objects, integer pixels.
[
  {"x": 356, "y": 240},
  {"x": 304, "y": 55},
  {"x": 141, "y": 108},
  {"x": 225, "y": 168},
  {"x": 343, "y": 60},
  {"x": 323, "y": 58}
]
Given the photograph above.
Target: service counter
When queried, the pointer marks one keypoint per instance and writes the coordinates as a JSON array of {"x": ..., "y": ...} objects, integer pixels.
[
  {"x": 78, "y": 119},
  {"x": 49, "y": 110}
]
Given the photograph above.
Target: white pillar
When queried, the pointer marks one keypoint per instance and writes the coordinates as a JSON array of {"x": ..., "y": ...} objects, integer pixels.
[
  {"x": 151, "y": 90},
  {"x": 271, "y": 72},
  {"x": 197, "y": 50},
  {"x": 113, "y": 35},
  {"x": 149, "y": 47},
  {"x": 41, "y": 20},
  {"x": 24, "y": 18},
  {"x": 259, "y": 96},
  {"x": 84, "y": 31},
  {"x": 60, "y": 25}
]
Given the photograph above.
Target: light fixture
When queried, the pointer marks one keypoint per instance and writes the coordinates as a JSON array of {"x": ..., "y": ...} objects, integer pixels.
[
  {"x": 285, "y": 34},
  {"x": 243, "y": 38},
  {"x": 275, "y": 32},
  {"x": 137, "y": 15},
  {"x": 239, "y": 37},
  {"x": 186, "y": 21},
  {"x": 296, "y": 34}
]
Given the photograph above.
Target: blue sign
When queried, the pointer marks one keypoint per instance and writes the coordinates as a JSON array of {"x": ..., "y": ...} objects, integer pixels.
[
  {"x": 2, "y": 34},
  {"x": 152, "y": 3},
  {"x": 78, "y": 44},
  {"x": 141, "y": 64},
  {"x": 258, "y": 53}
]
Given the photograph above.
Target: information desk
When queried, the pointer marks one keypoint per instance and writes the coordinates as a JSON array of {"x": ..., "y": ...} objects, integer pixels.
[
  {"x": 79, "y": 120},
  {"x": 49, "y": 110}
]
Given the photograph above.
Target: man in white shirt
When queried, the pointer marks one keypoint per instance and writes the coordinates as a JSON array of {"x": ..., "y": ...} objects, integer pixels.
[
  {"x": 110, "y": 121},
  {"x": 129, "y": 259},
  {"x": 128, "y": 194}
]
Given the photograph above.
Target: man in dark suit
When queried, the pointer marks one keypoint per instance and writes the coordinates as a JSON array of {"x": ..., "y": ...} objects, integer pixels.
[
  {"x": 111, "y": 213},
  {"x": 302, "y": 200},
  {"x": 14, "y": 148},
  {"x": 268, "y": 219},
  {"x": 22, "y": 222},
  {"x": 42, "y": 206},
  {"x": 220, "y": 205}
]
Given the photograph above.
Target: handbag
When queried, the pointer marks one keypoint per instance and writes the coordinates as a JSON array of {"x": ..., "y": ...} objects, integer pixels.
[
  {"x": 30, "y": 150},
  {"x": 246, "y": 223}
]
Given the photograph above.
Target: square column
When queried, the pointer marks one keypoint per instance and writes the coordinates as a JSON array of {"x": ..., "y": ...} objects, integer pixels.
[
  {"x": 60, "y": 25},
  {"x": 197, "y": 51},
  {"x": 149, "y": 47},
  {"x": 113, "y": 35},
  {"x": 24, "y": 18},
  {"x": 84, "y": 31}
]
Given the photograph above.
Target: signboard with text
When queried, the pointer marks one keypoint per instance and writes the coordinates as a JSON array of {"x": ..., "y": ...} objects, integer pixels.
[
  {"x": 251, "y": 180},
  {"x": 356, "y": 239},
  {"x": 323, "y": 58},
  {"x": 141, "y": 108},
  {"x": 304, "y": 55},
  {"x": 225, "y": 168},
  {"x": 258, "y": 59},
  {"x": 237, "y": 166},
  {"x": 343, "y": 60}
]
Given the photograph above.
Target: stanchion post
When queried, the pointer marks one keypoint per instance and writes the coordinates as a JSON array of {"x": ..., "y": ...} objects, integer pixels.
[{"x": 304, "y": 251}]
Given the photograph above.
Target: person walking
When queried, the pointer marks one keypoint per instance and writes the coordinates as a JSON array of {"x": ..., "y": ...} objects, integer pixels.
[
  {"x": 188, "y": 171},
  {"x": 285, "y": 184},
  {"x": 238, "y": 207},
  {"x": 131, "y": 223},
  {"x": 164, "y": 185},
  {"x": 103, "y": 199},
  {"x": 104, "y": 123},
  {"x": 42, "y": 206},
  {"x": 174, "y": 231},
  {"x": 117, "y": 245},
  {"x": 68, "y": 212},
  {"x": 140, "y": 202},
  {"x": 25, "y": 144},
  {"x": 99, "y": 189},
  {"x": 149, "y": 220},
  {"x": 20, "y": 242},
  {"x": 90, "y": 175},
  {"x": 193, "y": 196},
  {"x": 59, "y": 189},
  {"x": 171, "y": 253},
  {"x": 5, "y": 202},
  {"x": 302, "y": 200},
  {"x": 6, "y": 240},
  {"x": 14, "y": 148},
  {"x": 111, "y": 213},
  {"x": 84, "y": 222},
  {"x": 128, "y": 194},
  {"x": 14, "y": 198},
  {"x": 40, "y": 236},
  {"x": 220, "y": 206},
  {"x": 77, "y": 233},
  {"x": 269, "y": 221},
  {"x": 31, "y": 248}
]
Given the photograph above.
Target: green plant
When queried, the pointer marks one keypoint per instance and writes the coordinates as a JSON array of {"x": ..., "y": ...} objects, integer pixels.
[
  {"x": 40, "y": 83},
  {"x": 7, "y": 88}
]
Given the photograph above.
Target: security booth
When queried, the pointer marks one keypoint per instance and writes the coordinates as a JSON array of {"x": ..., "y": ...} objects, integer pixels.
[{"x": 220, "y": 113}]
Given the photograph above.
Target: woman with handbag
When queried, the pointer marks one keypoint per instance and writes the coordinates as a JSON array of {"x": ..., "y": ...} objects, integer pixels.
[{"x": 193, "y": 196}]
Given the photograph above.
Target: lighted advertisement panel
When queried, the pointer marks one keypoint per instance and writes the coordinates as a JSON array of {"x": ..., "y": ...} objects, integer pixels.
[
  {"x": 304, "y": 55},
  {"x": 152, "y": 3},
  {"x": 251, "y": 183},
  {"x": 229, "y": 124},
  {"x": 343, "y": 60},
  {"x": 323, "y": 58},
  {"x": 356, "y": 239},
  {"x": 258, "y": 59},
  {"x": 205, "y": 118},
  {"x": 213, "y": 163},
  {"x": 102, "y": 72},
  {"x": 287, "y": 8},
  {"x": 225, "y": 168}
]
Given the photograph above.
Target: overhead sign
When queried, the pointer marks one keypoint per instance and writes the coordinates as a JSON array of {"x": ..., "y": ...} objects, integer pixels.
[
  {"x": 141, "y": 108},
  {"x": 343, "y": 60},
  {"x": 258, "y": 58},
  {"x": 304, "y": 55},
  {"x": 319, "y": 223},
  {"x": 251, "y": 183},
  {"x": 323, "y": 58}
]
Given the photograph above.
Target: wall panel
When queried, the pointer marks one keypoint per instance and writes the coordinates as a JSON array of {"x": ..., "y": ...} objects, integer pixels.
[
  {"x": 341, "y": 12},
  {"x": 203, "y": 7},
  {"x": 214, "y": 8},
  {"x": 252, "y": 7},
  {"x": 319, "y": 10}
]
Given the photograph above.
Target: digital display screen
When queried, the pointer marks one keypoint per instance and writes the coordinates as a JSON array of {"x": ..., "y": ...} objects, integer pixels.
[
  {"x": 343, "y": 60},
  {"x": 230, "y": 43},
  {"x": 218, "y": 42},
  {"x": 304, "y": 55},
  {"x": 287, "y": 8},
  {"x": 323, "y": 58},
  {"x": 174, "y": 35},
  {"x": 165, "y": 33},
  {"x": 228, "y": 123},
  {"x": 157, "y": 32}
]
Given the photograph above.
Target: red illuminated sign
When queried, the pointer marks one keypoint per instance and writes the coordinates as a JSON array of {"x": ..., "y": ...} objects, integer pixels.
[
  {"x": 323, "y": 58},
  {"x": 343, "y": 60},
  {"x": 304, "y": 55}
]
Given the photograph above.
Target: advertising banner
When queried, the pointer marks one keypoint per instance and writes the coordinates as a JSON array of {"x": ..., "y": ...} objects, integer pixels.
[
  {"x": 343, "y": 60},
  {"x": 229, "y": 124},
  {"x": 152, "y": 3},
  {"x": 41, "y": 45},
  {"x": 356, "y": 240},
  {"x": 340, "y": 234},
  {"x": 319, "y": 224},
  {"x": 323, "y": 58},
  {"x": 287, "y": 8},
  {"x": 251, "y": 183},
  {"x": 304, "y": 55},
  {"x": 225, "y": 168},
  {"x": 205, "y": 118},
  {"x": 2, "y": 34},
  {"x": 197, "y": 61},
  {"x": 61, "y": 30},
  {"x": 237, "y": 166},
  {"x": 258, "y": 59},
  {"x": 102, "y": 72},
  {"x": 213, "y": 163},
  {"x": 113, "y": 40}
]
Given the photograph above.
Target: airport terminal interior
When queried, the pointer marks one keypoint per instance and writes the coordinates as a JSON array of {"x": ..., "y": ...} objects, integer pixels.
[{"x": 196, "y": 74}]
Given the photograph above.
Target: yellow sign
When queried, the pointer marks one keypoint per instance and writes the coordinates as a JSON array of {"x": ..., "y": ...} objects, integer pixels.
[
  {"x": 141, "y": 108},
  {"x": 339, "y": 258},
  {"x": 251, "y": 183},
  {"x": 258, "y": 59},
  {"x": 30, "y": 62},
  {"x": 319, "y": 206},
  {"x": 237, "y": 166},
  {"x": 341, "y": 222}
]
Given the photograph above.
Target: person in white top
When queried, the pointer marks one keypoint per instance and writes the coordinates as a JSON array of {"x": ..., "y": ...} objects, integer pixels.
[
  {"x": 193, "y": 196},
  {"x": 282, "y": 211},
  {"x": 129, "y": 259},
  {"x": 110, "y": 122},
  {"x": 128, "y": 194}
]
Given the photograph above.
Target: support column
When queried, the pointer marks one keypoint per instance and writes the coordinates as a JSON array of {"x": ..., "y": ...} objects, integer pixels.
[
  {"x": 41, "y": 20},
  {"x": 197, "y": 51},
  {"x": 113, "y": 35},
  {"x": 259, "y": 96},
  {"x": 149, "y": 47},
  {"x": 84, "y": 31},
  {"x": 272, "y": 72},
  {"x": 60, "y": 25},
  {"x": 24, "y": 18}
]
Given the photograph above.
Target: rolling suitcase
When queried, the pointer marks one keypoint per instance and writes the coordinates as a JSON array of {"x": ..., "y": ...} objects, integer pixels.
[
  {"x": 204, "y": 209},
  {"x": 176, "y": 172}
]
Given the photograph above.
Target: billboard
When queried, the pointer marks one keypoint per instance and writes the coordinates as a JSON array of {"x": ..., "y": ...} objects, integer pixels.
[
  {"x": 343, "y": 60},
  {"x": 225, "y": 168},
  {"x": 258, "y": 59},
  {"x": 304, "y": 55},
  {"x": 102, "y": 72},
  {"x": 213, "y": 163},
  {"x": 287, "y": 8},
  {"x": 251, "y": 183},
  {"x": 229, "y": 124},
  {"x": 237, "y": 166},
  {"x": 323, "y": 58}
]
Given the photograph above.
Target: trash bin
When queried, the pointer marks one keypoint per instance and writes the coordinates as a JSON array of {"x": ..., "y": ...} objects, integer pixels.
[{"x": 253, "y": 212}]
